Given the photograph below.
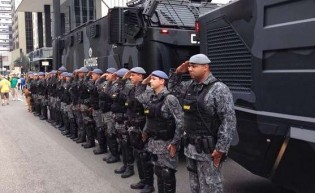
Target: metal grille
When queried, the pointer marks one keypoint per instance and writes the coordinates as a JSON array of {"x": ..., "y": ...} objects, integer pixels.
[
  {"x": 176, "y": 15},
  {"x": 230, "y": 58},
  {"x": 115, "y": 23}
]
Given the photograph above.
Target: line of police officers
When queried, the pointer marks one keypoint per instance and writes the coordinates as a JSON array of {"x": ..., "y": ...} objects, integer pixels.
[{"x": 144, "y": 119}]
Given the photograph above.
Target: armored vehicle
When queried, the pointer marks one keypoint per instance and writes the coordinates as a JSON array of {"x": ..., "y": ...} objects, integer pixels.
[
  {"x": 152, "y": 34},
  {"x": 265, "y": 52}
]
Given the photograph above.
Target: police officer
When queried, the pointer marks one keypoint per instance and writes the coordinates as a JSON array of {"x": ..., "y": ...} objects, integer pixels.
[
  {"x": 86, "y": 131},
  {"x": 118, "y": 93},
  {"x": 51, "y": 84},
  {"x": 66, "y": 99},
  {"x": 209, "y": 122},
  {"x": 163, "y": 129},
  {"x": 95, "y": 89},
  {"x": 135, "y": 124},
  {"x": 105, "y": 102},
  {"x": 74, "y": 112},
  {"x": 41, "y": 90}
]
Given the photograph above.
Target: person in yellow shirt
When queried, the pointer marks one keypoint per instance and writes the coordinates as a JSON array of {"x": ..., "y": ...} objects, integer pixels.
[{"x": 4, "y": 90}]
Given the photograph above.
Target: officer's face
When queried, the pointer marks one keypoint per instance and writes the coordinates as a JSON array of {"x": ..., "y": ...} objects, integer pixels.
[
  {"x": 135, "y": 78},
  {"x": 95, "y": 76},
  {"x": 81, "y": 74},
  {"x": 156, "y": 82},
  {"x": 197, "y": 71}
]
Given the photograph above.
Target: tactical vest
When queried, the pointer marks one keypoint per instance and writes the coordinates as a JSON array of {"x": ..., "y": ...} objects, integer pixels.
[
  {"x": 83, "y": 92},
  {"x": 105, "y": 102},
  {"x": 119, "y": 100},
  {"x": 198, "y": 121},
  {"x": 94, "y": 97},
  {"x": 134, "y": 107},
  {"x": 159, "y": 127}
]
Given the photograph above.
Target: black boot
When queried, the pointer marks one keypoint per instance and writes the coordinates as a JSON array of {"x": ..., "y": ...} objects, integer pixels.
[
  {"x": 147, "y": 189},
  {"x": 139, "y": 185},
  {"x": 112, "y": 159},
  {"x": 166, "y": 180},
  {"x": 113, "y": 148},
  {"x": 90, "y": 135},
  {"x": 129, "y": 172},
  {"x": 121, "y": 170},
  {"x": 147, "y": 169},
  {"x": 73, "y": 129},
  {"x": 101, "y": 138},
  {"x": 81, "y": 139}
]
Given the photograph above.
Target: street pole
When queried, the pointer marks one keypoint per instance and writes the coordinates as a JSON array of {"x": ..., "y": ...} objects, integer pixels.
[{"x": 1, "y": 65}]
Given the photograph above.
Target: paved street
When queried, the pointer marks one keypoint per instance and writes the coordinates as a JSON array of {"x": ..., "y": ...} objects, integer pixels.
[{"x": 35, "y": 157}]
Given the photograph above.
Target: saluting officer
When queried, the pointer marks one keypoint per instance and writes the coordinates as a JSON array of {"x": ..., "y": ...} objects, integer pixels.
[
  {"x": 135, "y": 125},
  {"x": 209, "y": 122},
  {"x": 163, "y": 129}
]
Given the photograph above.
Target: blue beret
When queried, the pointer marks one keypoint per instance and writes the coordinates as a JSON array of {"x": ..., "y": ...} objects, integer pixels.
[
  {"x": 160, "y": 74},
  {"x": 83, "y": 69},
  {"x": 62, "y": 69},
  {"x": 52, "y": 72},
  {"x": 138, "y": 70},
  {"x": 64, "y": 74},
  {"x": 30, "y": 72},
  {"x": 41, "y": 74},
  {"x": 111, "y": 70},
  {"x": 121, "y": 72},
  {"x": 199, "y": 59},
  {"x": 97, "y": 71},
  {"x": 69, "y": 74}
]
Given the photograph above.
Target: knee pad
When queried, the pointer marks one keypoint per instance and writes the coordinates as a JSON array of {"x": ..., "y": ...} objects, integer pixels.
[{"x": 145, "y": 156}]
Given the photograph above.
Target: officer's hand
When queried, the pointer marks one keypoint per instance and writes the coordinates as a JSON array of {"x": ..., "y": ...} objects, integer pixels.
[
  {"x": 172, "y": 149},
  {"x": 127, "y": 75},
  {"x": 216, "y": 157},
  {"x": 183, "y": 68},
  {"x": 104, "y": 75},
  {"x": 147, "y": 80},
  {"x": 89, "y": 73},
  {"x": 144, "y": 136}
]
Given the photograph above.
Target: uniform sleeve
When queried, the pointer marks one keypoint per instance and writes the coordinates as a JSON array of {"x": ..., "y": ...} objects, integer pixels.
[
  {"x": 225, "y": 110},
  {"x": 175, "y": 109},
  {"x": 176, "y": 86},
  {"x": 143, "y": 94}
]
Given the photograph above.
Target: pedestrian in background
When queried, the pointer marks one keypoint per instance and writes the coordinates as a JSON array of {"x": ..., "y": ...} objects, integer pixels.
[
  {"x": 14, "y": 83},
  {"x": 4, "y": 90}
]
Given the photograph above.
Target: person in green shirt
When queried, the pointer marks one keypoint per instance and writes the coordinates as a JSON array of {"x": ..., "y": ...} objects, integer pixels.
[{"x": 14, "y": 81}]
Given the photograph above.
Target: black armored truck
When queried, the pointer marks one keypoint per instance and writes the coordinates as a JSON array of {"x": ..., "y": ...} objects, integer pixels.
[{"x": 265, "y": 52}]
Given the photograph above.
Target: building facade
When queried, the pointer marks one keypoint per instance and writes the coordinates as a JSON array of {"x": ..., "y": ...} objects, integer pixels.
[{"x": 5, "y": 35}]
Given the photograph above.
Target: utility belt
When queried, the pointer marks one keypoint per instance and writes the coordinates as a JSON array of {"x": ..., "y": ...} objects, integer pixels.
[
  {"x": 160, "y": 135},
  {"x": 204, "y": 144}
]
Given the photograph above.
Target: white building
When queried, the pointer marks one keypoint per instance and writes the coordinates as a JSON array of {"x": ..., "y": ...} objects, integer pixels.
[{"x": 5, "y": 34}]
